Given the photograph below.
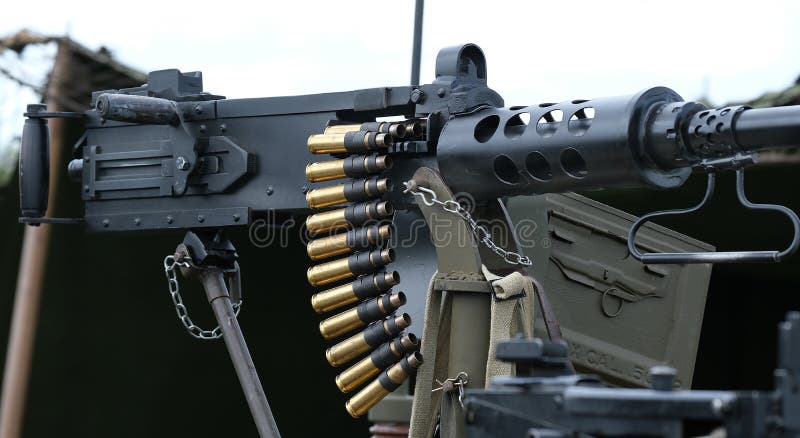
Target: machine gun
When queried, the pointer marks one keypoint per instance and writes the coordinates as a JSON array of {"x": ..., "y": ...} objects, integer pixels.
[{"x": 168, "y": 155}]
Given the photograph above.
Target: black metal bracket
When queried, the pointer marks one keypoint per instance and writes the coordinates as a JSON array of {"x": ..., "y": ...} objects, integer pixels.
[
  {"x": 205, "y": 250},
  {"x": 535, "y": 357},
  {"x": 184, "y": 152},
  {"x": 720, "y": 256}
]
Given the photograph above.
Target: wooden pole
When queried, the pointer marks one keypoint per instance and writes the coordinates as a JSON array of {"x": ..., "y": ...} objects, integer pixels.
[{"x": 32, "y": 270}]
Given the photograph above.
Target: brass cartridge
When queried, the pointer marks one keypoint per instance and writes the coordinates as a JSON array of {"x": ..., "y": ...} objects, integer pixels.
[
  {"x": 386, "y": 382},
  {"x": 348, "y": 217},
  {"x": 366, "y": 286},
  {"x": 366, "y": 312},
  {"x": 398, "y": 130},
  {"x": 354, "y": 142},
  {"x": 357, "y": 264},
  {"x": 358, "y": 239},
  {"x": 381, "y": 358},
  {"x": 353, "y": 191},
  {"x": 372, "y": 336},
  {"x": 342, "y": 129},
  {"x": 357, "y": 166},
  {"x": 327, "y": 246}
]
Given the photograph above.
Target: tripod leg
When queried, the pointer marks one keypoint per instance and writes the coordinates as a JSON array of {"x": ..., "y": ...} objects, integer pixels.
[{"x": 217, "y": 293}]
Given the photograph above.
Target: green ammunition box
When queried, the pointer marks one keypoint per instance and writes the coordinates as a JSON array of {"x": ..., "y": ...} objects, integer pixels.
[{"x": 619, "y": 315}]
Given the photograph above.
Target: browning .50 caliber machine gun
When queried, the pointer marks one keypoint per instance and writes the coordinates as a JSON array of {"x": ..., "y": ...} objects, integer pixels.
[{"x": 168, "y": 155}]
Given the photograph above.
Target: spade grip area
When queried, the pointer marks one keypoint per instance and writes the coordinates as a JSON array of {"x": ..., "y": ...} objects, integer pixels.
[{"x": 34, "y": 164}]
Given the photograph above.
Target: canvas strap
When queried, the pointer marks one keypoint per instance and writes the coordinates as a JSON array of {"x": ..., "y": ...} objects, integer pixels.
[
  {"x": 435, "y": 350},
  {"x": 511, "y": 311}
]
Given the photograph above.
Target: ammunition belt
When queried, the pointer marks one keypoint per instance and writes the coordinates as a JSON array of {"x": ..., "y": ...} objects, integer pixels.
[{"x": 355, "y": 235}]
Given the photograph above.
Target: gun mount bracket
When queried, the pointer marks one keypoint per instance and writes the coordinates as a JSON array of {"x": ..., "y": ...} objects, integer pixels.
[{"x": 210, "y": 257}]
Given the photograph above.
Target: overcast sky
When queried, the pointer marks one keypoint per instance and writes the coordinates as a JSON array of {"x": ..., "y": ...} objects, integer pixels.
[{"x": 536, "y": 51}]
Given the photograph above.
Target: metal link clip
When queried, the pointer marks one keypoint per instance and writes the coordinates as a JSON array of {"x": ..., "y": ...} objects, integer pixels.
[{"x": 459, "y": 381}]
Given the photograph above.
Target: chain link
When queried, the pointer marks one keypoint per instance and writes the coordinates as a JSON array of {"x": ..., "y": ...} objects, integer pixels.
[
  {"x": 483, "y": 236},
  {"x": 170, "y": 263}
]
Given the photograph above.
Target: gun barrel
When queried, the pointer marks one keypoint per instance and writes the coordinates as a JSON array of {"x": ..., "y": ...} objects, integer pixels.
[
  {"x": 652, "y": 138},
  {"x": 769, "y": 127}
]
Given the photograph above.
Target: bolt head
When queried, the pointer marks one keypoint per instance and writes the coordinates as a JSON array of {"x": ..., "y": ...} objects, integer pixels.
[
  {"x": 201, "y": 218},
  {"x": 417, "y": 96},
  {"x": 198, "y": 109},
  {"x": 181, "y": 163},
  {"x": 170, "y": 219},
  {"x": 270, "y": 190},
  {"x": 440, "y": 92},
  {"x": 662, "y": 377},
  {"x": 304, "y": 189},
  {"x": 223, "y": 127}
]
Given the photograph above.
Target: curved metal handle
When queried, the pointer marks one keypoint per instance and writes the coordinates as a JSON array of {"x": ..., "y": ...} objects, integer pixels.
[
  {"x": 34, "y": 164},
  {"x": 716, "y": 257}
]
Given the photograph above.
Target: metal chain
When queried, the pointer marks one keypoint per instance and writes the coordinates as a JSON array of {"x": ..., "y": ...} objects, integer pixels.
[
  {"x": 170, "y": 263},
  {"x": 483, "y": 236}
]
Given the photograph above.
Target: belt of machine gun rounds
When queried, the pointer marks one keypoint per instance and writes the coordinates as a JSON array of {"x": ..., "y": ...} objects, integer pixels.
[{"x": 360, "y": 227}]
